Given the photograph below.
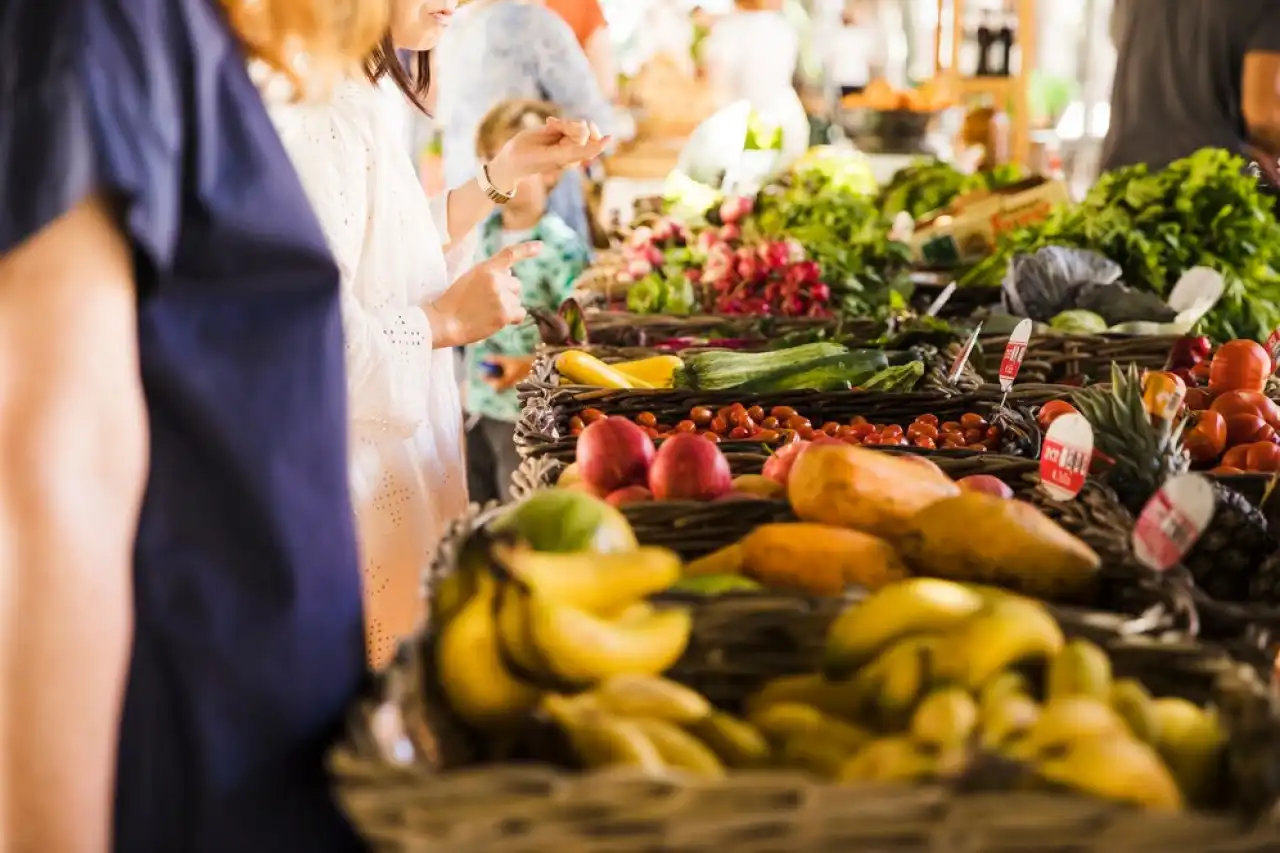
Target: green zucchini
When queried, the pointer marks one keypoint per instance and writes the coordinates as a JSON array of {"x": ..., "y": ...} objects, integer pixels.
[
  {"x": 718, "y": 370},
  {"x": 835, "y": 373}
]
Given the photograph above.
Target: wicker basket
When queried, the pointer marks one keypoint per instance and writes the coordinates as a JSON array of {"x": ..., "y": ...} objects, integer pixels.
[
  {"x": 1053, "y": 358},
  {"x": 626, "y": 329},
  {"x": 546, "y": 411},
  {"x": 413, "y": 778}
]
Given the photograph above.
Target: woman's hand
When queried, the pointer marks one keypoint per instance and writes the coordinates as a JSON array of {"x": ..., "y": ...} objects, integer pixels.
[
  {"x": 556, "y": 145},
  {"x": 509, "y": 370},
  {"x": 482, "y": 301}
]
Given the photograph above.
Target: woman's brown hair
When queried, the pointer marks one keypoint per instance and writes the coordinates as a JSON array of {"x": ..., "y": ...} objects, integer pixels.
[
  {"x": 312, "y": 42},
  {"x": 414, "y": 82}
]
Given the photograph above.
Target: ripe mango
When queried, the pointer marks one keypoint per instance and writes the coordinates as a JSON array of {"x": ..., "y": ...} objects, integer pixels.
[{"x": 819, "y": 558}]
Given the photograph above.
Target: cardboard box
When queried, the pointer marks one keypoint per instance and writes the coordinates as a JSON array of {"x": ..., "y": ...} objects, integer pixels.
[{"x": 967, "y": 231}]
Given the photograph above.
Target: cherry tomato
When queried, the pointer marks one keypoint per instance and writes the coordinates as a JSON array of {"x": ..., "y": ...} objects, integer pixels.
[
  {"x": 575, "y": 430},
  {"x": 756, "y": 413},
  {"x": 738, "y": 433},
  {"x": 857, "y": 420},
  {"x": 863, "y": 429},
  {"x": 974, "y": 435},
  {"x": 769, "y": 422},
  {"x": 845, "y": 432},
  {"x": 892, "y": 431},
  {"x": 647, "y": 419},
  {"x": 1053, "y": 410},
  {"x": 831, "y": 427},
  {"x": 575, "y": 422},
  {"x": 788, "y": 436},
  {"x": 871, "y": 439},
  {"x": 993, "y": 432},
  {"x": 782, "y": 412},
  {"x": 686, "y": 426},
  {"x": 701, "y": 415},
  {"x": 931, "y": 420},
  {"x": 651, "y": 432},
  {"x": 1263, "y": 456},
  {"x": 953, "y": 443},
  {"x": 797, "y": 422},
  {"x": 590, "y": 416},
  {"x": 950, "y": 426},
  {"x": 767, "y": 435},
  {"x": 926, "y": 442},
  {"x": 1236, "y": 457},
  {"x": 980, "y": 448},
  {"x": 719, "y": 424},
  {"x": 724, "y": 412},
  {"x": 1207, "y": 437},
  {"x": 806, "y": 433},
  {"x": 711, "y": 437},
  {"x": 742, "y": 419},
  {"x": 972, "y": 420}
]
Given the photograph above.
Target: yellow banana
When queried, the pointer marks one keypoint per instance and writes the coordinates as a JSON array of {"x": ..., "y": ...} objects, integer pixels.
[
  {"x": 1008, "y": 633},
  {"x": 894, "y": 682},
  {"x": 843, "y": 699},
  {"x": 1117, "y": 768},
  {"x": 945, "y": 719},
  {"x": 912, "y": 606},
  {"x": 477, "y": 685},
  {"x": 633, "y": 695},
  {"x": 1191, "y": 742},
  {"x": 580, "y": 368},
  {"x": 581, "y": 648},
  {"x": 599, "y": 583},
  {"x": 679, "y": 749},
  {"x": 736, "y": 742},
  {"x": 1135, "y": 706},
  {"x": 889, "y": 759},
  {"x": 515, "y": 641},
  {"x": 1082, "y": 669},
  {"x": 1065, "y": 722},
  {"x": 658, "y": 371}
]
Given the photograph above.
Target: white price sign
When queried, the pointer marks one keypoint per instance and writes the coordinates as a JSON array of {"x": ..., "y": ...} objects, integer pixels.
[{"x": 1172, "y": 521}]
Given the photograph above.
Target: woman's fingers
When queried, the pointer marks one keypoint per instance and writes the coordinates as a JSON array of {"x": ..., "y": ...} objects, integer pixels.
[{"x": 507, "y": 258}]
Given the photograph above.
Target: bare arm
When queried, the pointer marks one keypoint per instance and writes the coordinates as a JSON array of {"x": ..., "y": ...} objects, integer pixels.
[
  {"x": 1260, "y": 100},
  {"x": 600, "y": 54},
  {"x": 73, "y": 437}
]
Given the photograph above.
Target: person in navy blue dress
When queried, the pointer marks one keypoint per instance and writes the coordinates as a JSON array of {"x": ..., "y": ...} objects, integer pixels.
[{"x": 180, "y": 622}]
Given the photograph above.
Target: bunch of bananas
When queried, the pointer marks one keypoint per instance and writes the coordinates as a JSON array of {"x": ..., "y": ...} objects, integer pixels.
[
  {"x": 515, "y": 623},
  {"x": 919, "y": 681}
]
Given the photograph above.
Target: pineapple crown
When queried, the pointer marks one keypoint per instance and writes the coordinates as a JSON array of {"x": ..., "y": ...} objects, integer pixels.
[{"x": 1141, "y": 452}]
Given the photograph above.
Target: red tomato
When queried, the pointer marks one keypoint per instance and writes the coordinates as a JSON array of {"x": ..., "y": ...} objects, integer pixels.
[
  {"x": 1247, "y": 403},
  {"x": 1226, "y": 469},
  {"x": 1198, "y": 398},
  {"x": 1207, "y": 437},
  {"x": 1242, "y": 429},
  {"x": 1053, "y": 410},
  {"x": 1263, "y": 456},
  {"x": 1239, "y": 366},
  {"x": 1235, "y": 457}
]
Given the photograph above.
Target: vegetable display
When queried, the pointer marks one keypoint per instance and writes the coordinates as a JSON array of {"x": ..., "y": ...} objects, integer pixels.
[
  {"x": 1203, "y": 210},
  {"x": 931, "y": 185}
]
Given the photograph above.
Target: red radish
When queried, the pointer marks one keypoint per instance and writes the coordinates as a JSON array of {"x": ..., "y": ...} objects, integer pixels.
[
  {"x": 985, "y": 483},
  {"x": 629, "y": 495},
  {"x": 778, "y": 466},
  {"x": 614, "y": 453},
  {"x": 688, "y": 467}
]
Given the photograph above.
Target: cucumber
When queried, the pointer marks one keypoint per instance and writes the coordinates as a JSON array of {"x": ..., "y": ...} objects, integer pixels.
[
  {"x": 719, "y": 370},
  {"x": 835, "y": 373}
]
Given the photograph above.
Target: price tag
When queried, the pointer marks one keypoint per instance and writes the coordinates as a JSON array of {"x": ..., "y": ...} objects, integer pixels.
[
  {"x": 1162, "y": 395},
  {"x": 1172, "y": 521},
  {"x": 962, "y": 358},
  {"x": 1273, "y": 347},
  {"x": 1014, "y": 352},
  {"x": 1065, "y": 456},
  {"x": 943, "y": 298}
]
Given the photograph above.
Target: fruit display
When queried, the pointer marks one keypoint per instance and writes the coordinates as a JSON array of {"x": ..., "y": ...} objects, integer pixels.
[
  {"x": 783, "y": 424},
  {"x": 928, "y": 679},
  {"x": 869, "y": 519},
  {"x": 1135, "y": 453}
]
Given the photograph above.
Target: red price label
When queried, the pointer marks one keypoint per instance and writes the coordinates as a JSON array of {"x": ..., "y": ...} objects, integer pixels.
[
  {"x": 1172, "y": 521},
  {"x": 962, "y": 358},
  {"x": 1014, "y": 352},
  {"x": 1273, "y": 347},
  {"x": 1065, "y": 456}
]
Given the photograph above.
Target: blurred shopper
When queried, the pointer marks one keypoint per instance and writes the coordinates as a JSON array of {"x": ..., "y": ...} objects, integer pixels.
[
  {"x": 409, "y": 297},
  {"x": 586, "y": 19},
  {"x": 496, "y": 364},
  {"x": 180, "y": 625},
  {"x": 1192, "y": 74},
  {"x": 751, "y": 55},
  {"x": 500, "y": 50}
]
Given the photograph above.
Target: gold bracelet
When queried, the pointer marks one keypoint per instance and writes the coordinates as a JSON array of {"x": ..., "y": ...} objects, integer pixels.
[{"x": 494, "y": 194}]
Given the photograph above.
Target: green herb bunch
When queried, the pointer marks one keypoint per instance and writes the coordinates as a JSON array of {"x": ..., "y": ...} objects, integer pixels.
[
  {"x": 931, "y": 185},
  {"x": 1202, "y": 210}
]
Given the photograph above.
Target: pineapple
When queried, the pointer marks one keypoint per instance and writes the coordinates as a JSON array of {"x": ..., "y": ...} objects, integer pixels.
[{"x": 1236, "y": 543}]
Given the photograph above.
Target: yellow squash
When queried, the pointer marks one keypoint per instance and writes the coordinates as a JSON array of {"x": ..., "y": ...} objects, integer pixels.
[
  {"x": 585, "y": 369},
  {"x": 656, "y": 372}
]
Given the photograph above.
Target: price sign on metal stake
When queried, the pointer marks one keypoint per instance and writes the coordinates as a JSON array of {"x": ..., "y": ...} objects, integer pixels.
[
  {"x": 1065, "y": 456},
  {"x": 1172, "y": 521},
  {"x": 1014, "y": 352},
  {"x": 943, "y": 298},
  {"x": 962, "y": 358}
]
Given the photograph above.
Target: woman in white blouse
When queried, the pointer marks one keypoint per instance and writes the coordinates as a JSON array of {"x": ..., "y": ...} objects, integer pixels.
[{"x": 406, "y": 300}]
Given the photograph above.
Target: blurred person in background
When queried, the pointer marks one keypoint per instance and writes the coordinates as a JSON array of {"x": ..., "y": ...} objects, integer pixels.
[
  {"x": 180, "y": 621},
  {"x": 751, "y": 55},
  {"x": 586, "y": 19},
  {"x": 1192, "y": 74},
  {"x": 408, "y": 297},
  {"x": 501, "y": 50},
  {"x": 496, "y": 364}
]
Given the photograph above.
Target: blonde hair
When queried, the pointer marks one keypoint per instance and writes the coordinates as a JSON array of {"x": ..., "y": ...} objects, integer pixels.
[
  {"x": 507, "y": 119},
  {"x": 312, "y": 42}
]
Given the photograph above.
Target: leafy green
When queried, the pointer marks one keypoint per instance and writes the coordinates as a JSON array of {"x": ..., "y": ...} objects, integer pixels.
[
  {"x": 930, "y": 185},
  {"x": 1202, "y": 210}
]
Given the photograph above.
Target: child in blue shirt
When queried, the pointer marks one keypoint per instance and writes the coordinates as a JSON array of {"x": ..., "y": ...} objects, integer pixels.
[{"x": 495, "y": 365}]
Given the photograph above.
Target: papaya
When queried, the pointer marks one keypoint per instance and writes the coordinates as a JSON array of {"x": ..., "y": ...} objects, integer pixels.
[
  {"x": 862, "y": 489},
  {"x": 818, "y": 558},
  {"x": 987, "y": 539}
]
